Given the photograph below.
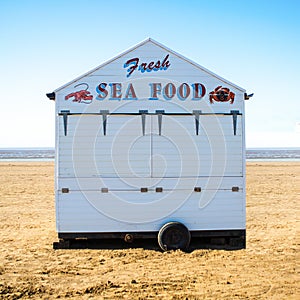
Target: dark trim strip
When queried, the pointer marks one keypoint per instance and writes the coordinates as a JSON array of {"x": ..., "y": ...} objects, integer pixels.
[
  {"x": 141, "y": 113},
  {"x": 152, "y": 234}
]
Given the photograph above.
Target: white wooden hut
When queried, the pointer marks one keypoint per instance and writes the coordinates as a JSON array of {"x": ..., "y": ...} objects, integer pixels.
[{"x": 150, "y": 144}]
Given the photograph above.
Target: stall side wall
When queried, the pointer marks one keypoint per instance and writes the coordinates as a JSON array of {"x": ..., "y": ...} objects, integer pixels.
[{"x": 105, "y": 174}]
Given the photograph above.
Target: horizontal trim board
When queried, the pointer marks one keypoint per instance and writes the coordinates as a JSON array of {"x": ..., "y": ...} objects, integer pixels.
[
  {"x": 149, "y": 113},
  {"x": 151, "y": 234},
  {"x": 166, "y": 183}
]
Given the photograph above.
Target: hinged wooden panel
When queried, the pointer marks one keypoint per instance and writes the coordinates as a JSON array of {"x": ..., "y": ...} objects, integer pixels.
[
  {"x": 178, "y": 151},
  {"x": 122, "y": 152}
]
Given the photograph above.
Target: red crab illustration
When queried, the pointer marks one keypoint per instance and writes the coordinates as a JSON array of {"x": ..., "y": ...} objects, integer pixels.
[
  {"x": 82, "y": 96},
  {"x": 221, "y": 94}
]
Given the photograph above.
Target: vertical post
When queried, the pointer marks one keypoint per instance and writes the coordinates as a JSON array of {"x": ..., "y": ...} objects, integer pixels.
[
  {"x": 143, "y": 114},
  {"x": 234, "y": 119},
  {"x": 197, "y": 119},
  {"x": 104, "y": 114},
  {"x": 159, "y": 115},
  {"x": 65, "y": 113}
]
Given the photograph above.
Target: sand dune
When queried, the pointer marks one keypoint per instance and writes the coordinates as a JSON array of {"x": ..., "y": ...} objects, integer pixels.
[{"x": 30, "y": 268}]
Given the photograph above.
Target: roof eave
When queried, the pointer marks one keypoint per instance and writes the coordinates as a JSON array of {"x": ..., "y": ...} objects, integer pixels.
[{"x": 51, "y": 96}]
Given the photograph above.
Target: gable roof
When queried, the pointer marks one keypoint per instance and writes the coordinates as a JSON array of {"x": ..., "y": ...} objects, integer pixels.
[{"x": 150, "y": 40}]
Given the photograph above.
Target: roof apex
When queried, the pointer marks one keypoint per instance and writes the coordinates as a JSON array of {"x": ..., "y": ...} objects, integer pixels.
[{"x": 147, "y": 40}]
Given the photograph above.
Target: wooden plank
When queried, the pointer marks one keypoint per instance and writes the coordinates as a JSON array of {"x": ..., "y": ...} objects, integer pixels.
[
  {"x": 143, "y": 103},
  {"x": 226, "y": 210},
  {"x": 159, "y": 168},
  {"x": 135, "y": 183}
]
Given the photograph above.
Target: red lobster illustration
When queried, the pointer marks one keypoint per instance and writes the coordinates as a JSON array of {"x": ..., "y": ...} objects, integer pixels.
[
  {"x": 82, "y": 96},
  {"x": 221, "y": 94}
]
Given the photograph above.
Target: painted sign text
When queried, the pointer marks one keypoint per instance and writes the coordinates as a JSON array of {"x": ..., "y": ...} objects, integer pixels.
[
  {"x": 157, "y": 90},
  {"x": 134, "y": 64}
]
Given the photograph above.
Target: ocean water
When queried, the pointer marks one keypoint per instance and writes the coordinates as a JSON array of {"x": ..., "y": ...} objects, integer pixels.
[
  {"x": 27, "y": 154},
  {"x": 48, "y": 154},
  {"x": 273, "y": 154}
]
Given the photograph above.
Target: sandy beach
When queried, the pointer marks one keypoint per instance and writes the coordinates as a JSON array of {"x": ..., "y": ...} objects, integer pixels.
[{"x": 30, "y": 268}]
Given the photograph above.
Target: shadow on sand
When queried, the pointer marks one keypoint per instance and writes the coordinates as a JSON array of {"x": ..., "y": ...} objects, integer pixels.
[{"x": 148, "y": 244}]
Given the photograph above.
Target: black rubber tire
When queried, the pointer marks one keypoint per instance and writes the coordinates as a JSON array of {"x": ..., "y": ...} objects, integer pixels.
[{"x": 173, "y": 236}]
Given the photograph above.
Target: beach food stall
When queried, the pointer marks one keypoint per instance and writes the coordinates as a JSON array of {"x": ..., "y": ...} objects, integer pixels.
[{"x": 150, "y": 145}]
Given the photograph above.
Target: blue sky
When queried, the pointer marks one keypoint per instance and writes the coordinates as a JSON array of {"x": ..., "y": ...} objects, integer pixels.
[{"x": 254, "y": 44}]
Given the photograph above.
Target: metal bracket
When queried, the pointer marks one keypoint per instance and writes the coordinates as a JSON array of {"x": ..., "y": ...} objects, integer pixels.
[
  {"x": 234, "y": 119},
  {"x": 104, "y": 114},
  {"x": 197, "y": 119},
  {"x": 143, "y": 114},
  {"x": 159, "y": 115},
  {"x": 65, "y": 113}
]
